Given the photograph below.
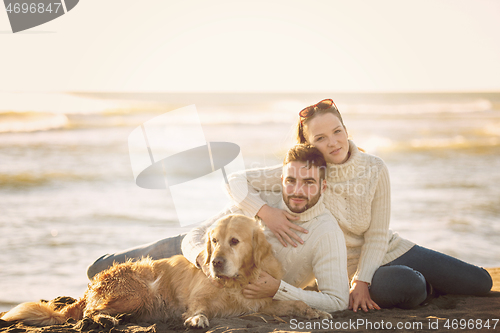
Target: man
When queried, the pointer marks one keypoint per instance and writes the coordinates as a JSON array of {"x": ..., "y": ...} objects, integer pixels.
[{"x": 323, "y": 253}]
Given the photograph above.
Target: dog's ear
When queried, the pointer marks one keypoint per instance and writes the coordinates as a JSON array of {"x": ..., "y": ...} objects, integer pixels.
[
  {"x": 208, "y": 248},
  {"x": 261, "y": 248}
]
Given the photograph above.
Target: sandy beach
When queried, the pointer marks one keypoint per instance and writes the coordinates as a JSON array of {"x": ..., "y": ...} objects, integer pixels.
[{"x": 446, "y": 313}]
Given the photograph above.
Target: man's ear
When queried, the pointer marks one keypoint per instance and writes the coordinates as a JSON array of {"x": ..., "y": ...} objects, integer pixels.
[{"x": 324, "y": 185}]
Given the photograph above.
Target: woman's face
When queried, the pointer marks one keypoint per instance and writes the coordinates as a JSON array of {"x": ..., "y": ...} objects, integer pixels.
[{"x": 325, "y": 132}]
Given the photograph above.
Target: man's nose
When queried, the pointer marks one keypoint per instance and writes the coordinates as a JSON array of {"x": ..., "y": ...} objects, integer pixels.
[{"x": 298, "y": 189}]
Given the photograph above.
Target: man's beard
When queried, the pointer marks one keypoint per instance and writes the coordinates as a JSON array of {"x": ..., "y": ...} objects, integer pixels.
[{"x": 309, "y": 202}]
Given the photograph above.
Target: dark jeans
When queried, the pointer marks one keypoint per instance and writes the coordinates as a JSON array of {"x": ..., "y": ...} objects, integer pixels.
[
  {"x": 164, "y": 248},
  {"x": 402, "y": 282}
]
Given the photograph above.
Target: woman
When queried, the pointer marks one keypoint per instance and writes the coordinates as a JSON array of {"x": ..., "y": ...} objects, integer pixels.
[{"x": 384, "y": 269}]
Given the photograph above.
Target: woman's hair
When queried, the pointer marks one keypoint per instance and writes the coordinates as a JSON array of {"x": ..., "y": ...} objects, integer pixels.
[
  {"x": 300, "y": 135},
  {"x": 307, "y": 154}
]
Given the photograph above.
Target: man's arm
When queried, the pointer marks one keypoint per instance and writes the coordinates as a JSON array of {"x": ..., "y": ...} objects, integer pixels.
[{"x": 330, "y": 270}]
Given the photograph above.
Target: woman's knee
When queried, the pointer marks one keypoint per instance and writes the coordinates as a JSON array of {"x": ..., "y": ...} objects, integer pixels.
[
  {"x": 398, "y": 286},
  {"x": 483, "y": 283},
  {"x": 473, "y": 280}
]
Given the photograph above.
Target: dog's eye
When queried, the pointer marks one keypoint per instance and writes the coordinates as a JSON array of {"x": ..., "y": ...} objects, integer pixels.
[
  {"x": 234, "y": 241},
  {"x": 214, "y": 240}
]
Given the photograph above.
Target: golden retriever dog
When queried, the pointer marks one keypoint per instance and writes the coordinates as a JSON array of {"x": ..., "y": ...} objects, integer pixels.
[{"x": 159, "y": 290}]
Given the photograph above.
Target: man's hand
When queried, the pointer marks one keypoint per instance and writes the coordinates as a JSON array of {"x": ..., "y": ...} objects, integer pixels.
[
  {"x": 200, "y": 260},
  {"x": 264, "y": 286},
  {"x": 278, "y": 221},
  {"x": 359, "y": 297}
]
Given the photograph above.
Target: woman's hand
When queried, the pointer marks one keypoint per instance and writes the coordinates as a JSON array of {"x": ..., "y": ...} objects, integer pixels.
[
  {"x": 277, "y": 220},
  {"x": 264, "y": 286},
  {"x": 359, "y": 297}
]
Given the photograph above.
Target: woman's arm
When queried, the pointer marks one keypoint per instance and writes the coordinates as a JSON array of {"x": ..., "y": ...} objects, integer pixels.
[
  {"x": 244, "y": 190},
  {"x": 376, "y": 237},
  {"x": 375, "y": 246},
  {"x": 244, "y": 187}
]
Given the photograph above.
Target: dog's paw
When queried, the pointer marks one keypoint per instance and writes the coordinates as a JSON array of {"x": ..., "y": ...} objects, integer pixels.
[
  {"x": 323, "y": 314},
  {"x": 197, "y": 321},
  {"x": 106, "y": 321},
  {"x": 317, "y": 314}
]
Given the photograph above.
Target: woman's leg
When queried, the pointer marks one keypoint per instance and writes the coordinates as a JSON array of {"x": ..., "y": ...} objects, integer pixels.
[
  {"x": 398, "y": 286},
  {"x": 446, "y": 274},
  {"x": 164, "y": 248},
  {"x": 402, "y": 282}
]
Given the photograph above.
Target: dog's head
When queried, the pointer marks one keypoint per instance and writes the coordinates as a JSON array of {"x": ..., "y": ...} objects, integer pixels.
[{"x": 235, "y": 247}]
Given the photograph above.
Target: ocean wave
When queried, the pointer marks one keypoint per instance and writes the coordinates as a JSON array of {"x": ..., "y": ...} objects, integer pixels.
[
  {"x": 436, "y": 107},
  {"x": 26, "y": 179},
  {"x": 59, "y": 103},
  {"x": 134, "y": 217},
  {"x": 455, "y": 142},
  {"x": 28, "y": 112},
  {"x": 11, "y": 122},
  {"x": 458, "y": 142}
]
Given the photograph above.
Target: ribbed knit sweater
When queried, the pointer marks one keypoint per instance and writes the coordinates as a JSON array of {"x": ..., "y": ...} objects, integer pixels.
[
  {"x": 321, "y": 257},
  {"x": 358, "y": 196}
]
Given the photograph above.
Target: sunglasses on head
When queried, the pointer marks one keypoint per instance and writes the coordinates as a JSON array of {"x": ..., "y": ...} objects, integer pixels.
[{"x": 310, "y": 110}]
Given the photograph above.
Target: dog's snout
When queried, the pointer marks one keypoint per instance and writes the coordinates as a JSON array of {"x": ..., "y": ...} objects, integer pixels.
[{"x": 218, "y": 262}]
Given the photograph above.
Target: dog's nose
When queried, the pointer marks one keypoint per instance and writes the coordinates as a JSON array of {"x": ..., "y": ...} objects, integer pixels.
[{"x": 218, "y": 262}]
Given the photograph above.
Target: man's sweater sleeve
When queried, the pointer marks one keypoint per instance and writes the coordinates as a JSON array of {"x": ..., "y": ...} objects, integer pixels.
[{"x": 330, "y": 270}]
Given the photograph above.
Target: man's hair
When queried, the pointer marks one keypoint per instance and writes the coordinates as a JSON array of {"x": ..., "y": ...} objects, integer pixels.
[{"x": 307, "y": 154}]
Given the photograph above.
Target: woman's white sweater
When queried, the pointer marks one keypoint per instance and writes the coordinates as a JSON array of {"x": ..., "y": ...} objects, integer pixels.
[{"x": 358, "y": 196}]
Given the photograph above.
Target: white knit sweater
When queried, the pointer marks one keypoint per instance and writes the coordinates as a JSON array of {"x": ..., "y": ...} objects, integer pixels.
[
  {"x": 323, "y": 256},
  {"x": 358, "y": 196}
]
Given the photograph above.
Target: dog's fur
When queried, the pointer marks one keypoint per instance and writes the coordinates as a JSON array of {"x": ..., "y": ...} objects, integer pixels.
[{"x": 158, "y": 290}]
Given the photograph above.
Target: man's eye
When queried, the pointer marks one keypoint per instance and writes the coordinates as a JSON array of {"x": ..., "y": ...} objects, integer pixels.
[{"x": 234, "y": 241}]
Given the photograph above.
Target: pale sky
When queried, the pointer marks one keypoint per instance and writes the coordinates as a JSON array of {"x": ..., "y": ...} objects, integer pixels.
[{"x": 276, "y": 46}]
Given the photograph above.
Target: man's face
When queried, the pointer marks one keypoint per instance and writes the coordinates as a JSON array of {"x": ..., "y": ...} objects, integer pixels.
[{"x": 301, "y": 186}]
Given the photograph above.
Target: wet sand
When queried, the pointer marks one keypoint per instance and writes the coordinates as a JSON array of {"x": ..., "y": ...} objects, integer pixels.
[{"x": 446, "y": 313}]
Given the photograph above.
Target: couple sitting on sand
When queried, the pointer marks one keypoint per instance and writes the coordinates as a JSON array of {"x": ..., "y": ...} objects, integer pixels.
[{"x": 337, "y": 198}]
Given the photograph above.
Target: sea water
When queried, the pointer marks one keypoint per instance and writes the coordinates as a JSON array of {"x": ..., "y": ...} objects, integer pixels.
[{"x": 68, "y": 195}]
